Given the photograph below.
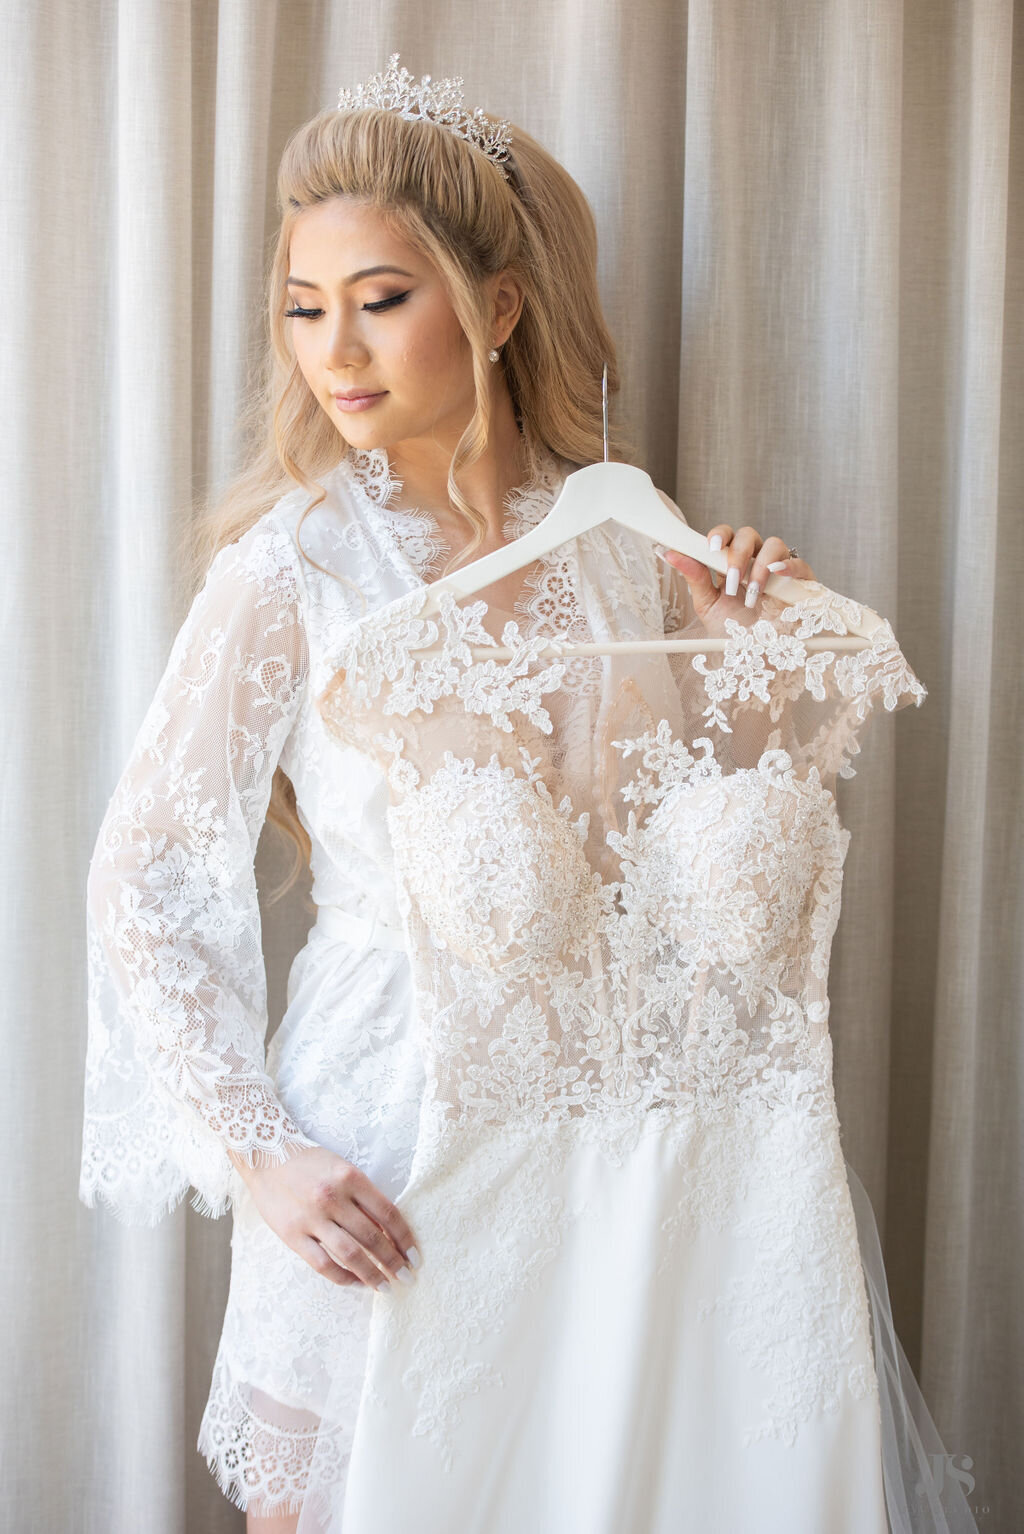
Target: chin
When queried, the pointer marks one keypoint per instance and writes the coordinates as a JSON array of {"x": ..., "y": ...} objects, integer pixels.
[
  {"x": 355, "y": 438},
  {"x": 369, "y": 438}
]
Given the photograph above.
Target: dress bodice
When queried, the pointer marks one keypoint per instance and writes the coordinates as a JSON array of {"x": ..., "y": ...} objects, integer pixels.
[{"x": 648, "y": 913}]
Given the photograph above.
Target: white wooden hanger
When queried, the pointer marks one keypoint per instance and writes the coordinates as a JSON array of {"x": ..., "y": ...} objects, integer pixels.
[{"x": 615, "y": 492}]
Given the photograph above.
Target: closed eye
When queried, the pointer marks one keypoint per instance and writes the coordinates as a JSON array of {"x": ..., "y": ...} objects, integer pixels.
[{"x": 310, "y": 314}]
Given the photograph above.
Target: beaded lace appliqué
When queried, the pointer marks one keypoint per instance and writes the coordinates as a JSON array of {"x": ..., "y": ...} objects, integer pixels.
[{"x": 683, "y": 996}]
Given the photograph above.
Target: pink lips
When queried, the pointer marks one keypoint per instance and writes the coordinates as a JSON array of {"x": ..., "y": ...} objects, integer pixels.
[{"x": 358, "y": 401}]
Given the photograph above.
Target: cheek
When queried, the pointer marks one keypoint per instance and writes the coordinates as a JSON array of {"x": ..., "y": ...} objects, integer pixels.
[{"x": 435, "y": 345}]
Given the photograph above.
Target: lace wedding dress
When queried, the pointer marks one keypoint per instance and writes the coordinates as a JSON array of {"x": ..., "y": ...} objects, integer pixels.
[
  {"x": 564, "y": 1000},
  {"x": 641, "y": 1305}
]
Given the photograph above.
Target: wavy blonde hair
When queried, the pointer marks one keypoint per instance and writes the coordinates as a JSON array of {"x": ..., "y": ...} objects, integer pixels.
[{"x": 454, "y": 207}]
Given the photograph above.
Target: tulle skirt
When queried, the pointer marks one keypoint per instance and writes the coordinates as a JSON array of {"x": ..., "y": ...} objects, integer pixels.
[{"x": 924, "y": 1485}]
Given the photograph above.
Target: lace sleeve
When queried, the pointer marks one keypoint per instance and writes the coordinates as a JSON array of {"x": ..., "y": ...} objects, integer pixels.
[
  {"x": 830, "y": 720},
  {"x": 177, "y": 1005}
]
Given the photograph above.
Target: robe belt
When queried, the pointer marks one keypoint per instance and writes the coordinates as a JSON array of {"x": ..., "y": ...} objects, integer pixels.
[{"x": 360, "y": 931}]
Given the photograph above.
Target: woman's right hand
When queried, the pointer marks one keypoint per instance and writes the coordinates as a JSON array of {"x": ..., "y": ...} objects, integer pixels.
[{"x": 333, "y": 1216}]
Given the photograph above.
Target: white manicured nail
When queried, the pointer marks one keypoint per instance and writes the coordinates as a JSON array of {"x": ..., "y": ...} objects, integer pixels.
[
  {"x": 414, "y": 1257},
  {"x": 752, "y": 593},
  {"x": 715, "y": 543},
  {"x": 404, "y": 1276},
  {"x": 384, "y": 1287},
  {"x": 732, "y": 581},
  {"x": 778, "y": 564}
]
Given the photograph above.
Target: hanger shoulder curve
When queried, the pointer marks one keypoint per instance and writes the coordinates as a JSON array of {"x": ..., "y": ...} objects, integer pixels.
[{"x": 599, "y": 493}]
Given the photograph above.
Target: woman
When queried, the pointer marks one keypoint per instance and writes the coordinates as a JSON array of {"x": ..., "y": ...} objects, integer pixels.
[{"x": 437, "y": 351}]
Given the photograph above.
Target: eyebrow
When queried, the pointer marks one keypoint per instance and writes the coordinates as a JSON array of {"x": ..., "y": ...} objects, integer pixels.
[{"x": 367, "y": 271}]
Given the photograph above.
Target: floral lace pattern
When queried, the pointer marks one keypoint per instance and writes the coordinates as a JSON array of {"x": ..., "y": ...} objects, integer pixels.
[
  {"x": 259, "y": 1440},
  {"x": 176, "y": 1067},
  {"x": 176, "y": 1001},
  {"x": 547, "y": 602},
  {"x": 805, "y": 1257},
  {"x": 172, "y": 910},
  {"x": 259, "y": 1465},
  {"x": 664, "y": 977},
  {"x": 176, "y": 1071}
]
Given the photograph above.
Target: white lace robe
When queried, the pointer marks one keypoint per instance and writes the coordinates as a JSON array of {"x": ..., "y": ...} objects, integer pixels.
[{"x": 176, "y": 1068}]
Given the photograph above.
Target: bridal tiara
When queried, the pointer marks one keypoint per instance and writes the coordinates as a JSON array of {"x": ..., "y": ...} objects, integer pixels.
[{"x": 436, "y": 101}]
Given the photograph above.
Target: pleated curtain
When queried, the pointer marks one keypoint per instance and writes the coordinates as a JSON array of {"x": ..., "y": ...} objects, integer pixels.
[{"x": 811, "y": 223}]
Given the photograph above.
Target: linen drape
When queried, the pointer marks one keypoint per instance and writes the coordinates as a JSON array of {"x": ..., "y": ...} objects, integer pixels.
[{"x": 811, "y": 225}]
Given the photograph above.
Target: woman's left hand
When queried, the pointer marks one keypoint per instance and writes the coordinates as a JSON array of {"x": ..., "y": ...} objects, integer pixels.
[{"x": 751, "y": 559}]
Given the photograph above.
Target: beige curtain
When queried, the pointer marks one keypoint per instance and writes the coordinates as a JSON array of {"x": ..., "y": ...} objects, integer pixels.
[{"x": 811, "y": 217}]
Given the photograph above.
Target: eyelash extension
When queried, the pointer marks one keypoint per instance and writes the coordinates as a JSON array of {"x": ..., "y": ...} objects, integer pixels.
[{"x": 305, "y": 314}]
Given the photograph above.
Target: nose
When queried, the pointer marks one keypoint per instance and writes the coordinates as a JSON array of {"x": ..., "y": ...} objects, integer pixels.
[{"x": 345, "y": 346}]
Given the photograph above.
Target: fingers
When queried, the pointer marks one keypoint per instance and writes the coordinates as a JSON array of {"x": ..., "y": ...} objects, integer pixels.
[
  {"x": 774, "y": 559},
  {"x": 698, "y": 578},
  {"x": 750, "y": 561},
  {"x": 321, "y": 1262},
  {"x": 341, "y": 1247},
  {"x": 380, "y": 1209},
  {"x": 351, "y": 1234},
  {"x": 330, "y": 1213},
  {"x": 353, "y": 1238},
  {"x": 740, "y": 548}
]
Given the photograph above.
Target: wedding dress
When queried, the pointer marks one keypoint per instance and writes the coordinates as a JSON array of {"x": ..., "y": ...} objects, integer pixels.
[{"x": 641, "y": 1305}]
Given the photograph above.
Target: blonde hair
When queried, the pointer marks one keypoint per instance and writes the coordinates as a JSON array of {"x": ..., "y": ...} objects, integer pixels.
[{"x": 453, "y": 206}]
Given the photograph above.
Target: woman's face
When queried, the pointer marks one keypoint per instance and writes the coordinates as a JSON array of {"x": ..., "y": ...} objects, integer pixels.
[{"x": 390, "y": 333}]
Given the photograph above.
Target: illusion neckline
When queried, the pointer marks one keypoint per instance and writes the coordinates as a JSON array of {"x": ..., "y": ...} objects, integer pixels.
[
  {"x": 546, "y": 598},
  {"x": 414, "y": 531}
]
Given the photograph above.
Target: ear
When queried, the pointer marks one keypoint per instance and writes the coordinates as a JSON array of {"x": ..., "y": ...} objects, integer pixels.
[{"x": 507, "y": 305}]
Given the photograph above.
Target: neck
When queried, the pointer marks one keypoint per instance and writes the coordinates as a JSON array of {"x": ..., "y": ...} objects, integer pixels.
[{"x": 422, "y": 465}]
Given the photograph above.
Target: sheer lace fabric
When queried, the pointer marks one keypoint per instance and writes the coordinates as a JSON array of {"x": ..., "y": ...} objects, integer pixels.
[
  {"x": 620, "y": 889},
  {"x": 695, "y": 883},
  {"x": 177, "y": 1069},
  {"x": 177, "y": 984}
]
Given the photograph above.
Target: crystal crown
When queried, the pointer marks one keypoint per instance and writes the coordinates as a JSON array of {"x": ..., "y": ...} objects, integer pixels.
[{"x": 436, "y": 101}]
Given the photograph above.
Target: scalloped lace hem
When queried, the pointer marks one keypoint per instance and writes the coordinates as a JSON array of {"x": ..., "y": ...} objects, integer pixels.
[
  {"x": 104, "y": 1181},
  {"x": 260, "y": 1465}
]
